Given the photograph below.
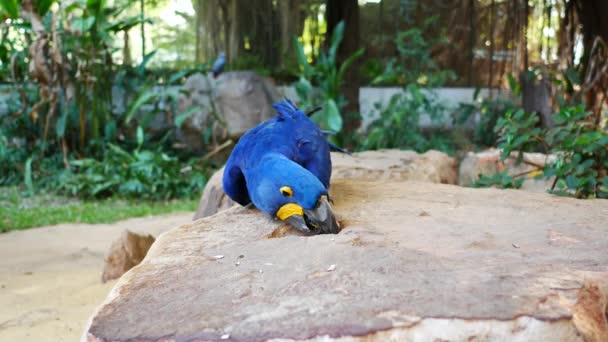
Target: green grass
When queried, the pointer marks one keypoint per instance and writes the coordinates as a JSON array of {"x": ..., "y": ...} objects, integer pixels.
[{"x": 20, "y": 212}]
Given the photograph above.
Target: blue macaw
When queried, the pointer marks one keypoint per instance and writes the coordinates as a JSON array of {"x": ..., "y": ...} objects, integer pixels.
[
  {"x": 283, "y": 166},
  {"x": 218, "y": 65}
]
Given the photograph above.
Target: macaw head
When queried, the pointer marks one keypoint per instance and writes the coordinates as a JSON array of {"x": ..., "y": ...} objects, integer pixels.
[{"x": 286, "y": 190}]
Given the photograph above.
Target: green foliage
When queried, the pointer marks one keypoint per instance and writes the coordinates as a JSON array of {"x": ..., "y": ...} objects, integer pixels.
[
  {"x": 398, "y": 125},
  {"x": 63, "y": 134},
  {"x": 578, "y": 142},
  {"x": 320, "y": 83},
  {"x": 10, "y": 8},
  {"x": 141, "y": 174},
  {"x": 518, "y": 131},
  {"x": 501, "y": 180},
  {"x": 582, "y": 148},
  {"x": 12, "y": 162},
  {"x": 74, "y": 41},
  {"x": 488, "y": 111},
  {"x": 20, "y": 212},
  {"x": 414, "y": 62},
  {"x": 249, "y": 61}
]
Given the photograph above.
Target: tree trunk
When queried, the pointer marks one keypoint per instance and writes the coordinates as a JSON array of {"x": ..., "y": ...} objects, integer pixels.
[
  {"x": 198, "y": 7},
  {"x": 126, "y": 50},
  {"x": 234, "y": 39},
  {"x": 472, "y": 35},
  {"x": 290, "y": 16},
  {"x": 492, "y": 42},
  {"x": 347, "y": 10},
  {"x": 594, "y": 71},
  {"x": 536, "y": 97},
  {"x": 142, "y": 13}
]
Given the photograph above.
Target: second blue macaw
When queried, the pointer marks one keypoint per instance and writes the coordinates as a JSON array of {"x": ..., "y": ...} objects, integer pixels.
[
  {"x": 218, "y": 65},
  {"x": 283, "y": 167}
]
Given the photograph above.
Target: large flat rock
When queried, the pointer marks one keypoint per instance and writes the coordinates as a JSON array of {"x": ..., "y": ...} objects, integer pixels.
[{"x": 415, "y": 261}]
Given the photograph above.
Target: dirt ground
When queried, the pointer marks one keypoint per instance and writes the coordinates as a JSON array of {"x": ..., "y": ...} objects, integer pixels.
[{"x": 50, "y": 277}]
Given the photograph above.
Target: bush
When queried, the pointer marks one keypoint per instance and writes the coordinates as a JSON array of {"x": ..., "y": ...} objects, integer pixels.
[
  {"x": 64, "y": 134},
  {"x": 579, "y": 143},
  {"x": 399, "y": 123},
  {"x": 142, "y": 174},
  {"x": 327, "y": 76}
]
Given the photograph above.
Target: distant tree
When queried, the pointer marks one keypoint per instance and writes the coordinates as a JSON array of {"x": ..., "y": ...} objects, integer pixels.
[
  {"x": 347, "y": 10},
  {"x": 594, "y": 62},
  {"x": 260, "y": 28}
]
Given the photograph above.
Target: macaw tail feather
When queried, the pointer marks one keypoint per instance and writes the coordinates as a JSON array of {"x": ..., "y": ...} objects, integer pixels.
[
  {"x": 312, "y": 111},
  {"x": 285, "y": 108},
  {"x": 335, "y": 148}
]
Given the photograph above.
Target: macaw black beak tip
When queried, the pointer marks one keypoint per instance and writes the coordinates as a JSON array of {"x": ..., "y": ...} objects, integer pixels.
[
  {"x": 321, "y": 220},
  {"x": 298, "y": 222}
]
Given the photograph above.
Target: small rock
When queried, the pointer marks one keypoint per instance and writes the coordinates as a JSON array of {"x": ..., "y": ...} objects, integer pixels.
[
  {"x": 225, "y": 336},
  {"x": 125, "y": 253},
  {"x": 331, "y": 268},
  {"x": 488, "y": 163},
  {"x": 219, "y": 256},
  {"x": 515, "y": 245}
]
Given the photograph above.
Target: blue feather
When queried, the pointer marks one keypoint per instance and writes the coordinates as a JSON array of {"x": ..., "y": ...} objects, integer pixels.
[{"x": 286, "y": 109}]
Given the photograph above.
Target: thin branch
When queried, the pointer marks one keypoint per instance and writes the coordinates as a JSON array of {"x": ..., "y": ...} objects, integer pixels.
[
  {"x": 19, "y": 86},
  {"x": 527, "y": 162},
  {"x": 64, "y": 149},
  {"x": 526, "y": 172},
  {"x": 554, "y": 183},
  {"x": 216, "y": 150}
]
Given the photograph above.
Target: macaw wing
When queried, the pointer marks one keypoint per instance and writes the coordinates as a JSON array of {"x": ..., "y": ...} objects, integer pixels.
[
  {"x": 313, "y": 154},
  {"x": 247, "y": 152},
  {"x": 235, "y": 185},
  {"x": 233, "y": 179}
]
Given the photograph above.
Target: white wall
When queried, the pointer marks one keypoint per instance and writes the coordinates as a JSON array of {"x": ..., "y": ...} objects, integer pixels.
[{"x": 368, "y": 97}]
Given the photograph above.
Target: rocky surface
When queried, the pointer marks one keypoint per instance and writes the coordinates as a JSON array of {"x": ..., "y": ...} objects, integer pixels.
[
  {"x": 488, "y": 163},
  {"x": 432, "y": 166},
  {"x": 214, "y": 198},
  {"x": 244, "y": 99},
  {"x": 126, "y": 252},
  {"x": 197, "y": 92},
  {"x": 415, "y": 261}
]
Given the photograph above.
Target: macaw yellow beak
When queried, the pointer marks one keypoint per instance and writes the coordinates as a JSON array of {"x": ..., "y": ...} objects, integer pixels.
[{"x": 320, "y": 220}]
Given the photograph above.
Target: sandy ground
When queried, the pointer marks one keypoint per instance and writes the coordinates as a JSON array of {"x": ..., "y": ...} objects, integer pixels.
[{"x": 50, "y": 277}]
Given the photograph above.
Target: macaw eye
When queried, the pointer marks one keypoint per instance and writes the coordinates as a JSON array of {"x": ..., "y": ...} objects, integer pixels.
[{"x": 286, "y": 191}]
